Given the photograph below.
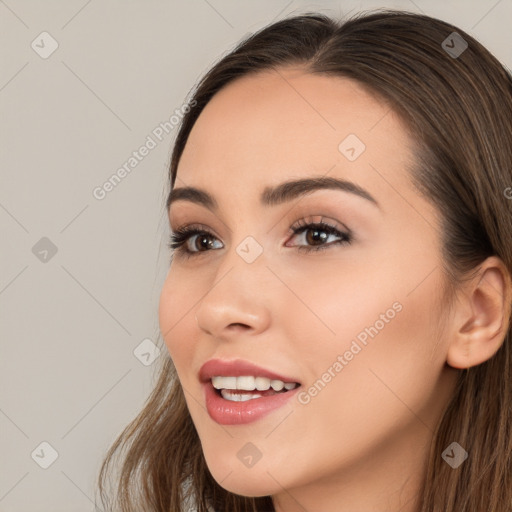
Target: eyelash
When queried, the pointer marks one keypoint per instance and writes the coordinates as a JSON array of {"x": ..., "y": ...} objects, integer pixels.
[{"x": 178, "y": 239}]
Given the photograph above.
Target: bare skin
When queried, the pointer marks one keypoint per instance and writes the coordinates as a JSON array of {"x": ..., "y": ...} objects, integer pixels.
[{"x": 362, "y": 441}]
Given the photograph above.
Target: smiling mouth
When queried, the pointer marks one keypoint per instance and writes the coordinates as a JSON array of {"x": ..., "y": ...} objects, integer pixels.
[{"x": 248, "y": 387}]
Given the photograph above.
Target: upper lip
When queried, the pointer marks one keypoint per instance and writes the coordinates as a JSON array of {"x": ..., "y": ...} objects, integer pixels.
[{"x": 237, "y": 368}]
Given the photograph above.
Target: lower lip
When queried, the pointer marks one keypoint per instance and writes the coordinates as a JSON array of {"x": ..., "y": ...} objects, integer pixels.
[{"x": 226, "y": 412}]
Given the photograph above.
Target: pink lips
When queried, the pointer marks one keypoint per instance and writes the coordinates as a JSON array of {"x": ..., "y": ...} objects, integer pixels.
[{"x": 226, "y": 412}]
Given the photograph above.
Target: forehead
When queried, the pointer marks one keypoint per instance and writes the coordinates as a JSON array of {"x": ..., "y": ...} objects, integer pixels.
[{"x": 270, "y": 126}]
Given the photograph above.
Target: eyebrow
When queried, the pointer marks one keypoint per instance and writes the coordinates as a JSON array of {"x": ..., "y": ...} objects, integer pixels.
[{"x": 272, "y": 196}]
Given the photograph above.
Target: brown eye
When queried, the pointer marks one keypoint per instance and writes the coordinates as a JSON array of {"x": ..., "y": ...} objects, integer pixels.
[
  {"x": 202, "y": 242},
  {"x": 316, "y": 236}
]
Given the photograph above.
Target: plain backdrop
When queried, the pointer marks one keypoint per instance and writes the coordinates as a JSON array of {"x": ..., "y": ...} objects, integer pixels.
[{"x": 80, "y": 276}]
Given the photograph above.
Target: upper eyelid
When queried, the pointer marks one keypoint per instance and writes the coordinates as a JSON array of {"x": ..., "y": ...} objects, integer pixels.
[
  {"x": 303, "y": 219},
  {"x": 186, "y": 224}
]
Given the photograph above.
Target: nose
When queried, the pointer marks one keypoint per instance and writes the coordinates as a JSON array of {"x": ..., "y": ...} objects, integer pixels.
[{"x": 238, "y": 300}]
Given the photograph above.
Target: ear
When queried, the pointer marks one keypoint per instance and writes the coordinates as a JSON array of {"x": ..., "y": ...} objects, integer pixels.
[{"x": 481, "y": 315}]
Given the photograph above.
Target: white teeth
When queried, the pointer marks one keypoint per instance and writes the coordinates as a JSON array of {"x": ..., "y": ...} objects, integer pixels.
[
  {"x": 224, "y": 382},
  {"x": 250, "y": 383},
  {"x": 262, "y": 383},
  {"x": 277, "y": 385},
  {"x": 246, "y": 383},
  {"x": 238, "y": 397}
]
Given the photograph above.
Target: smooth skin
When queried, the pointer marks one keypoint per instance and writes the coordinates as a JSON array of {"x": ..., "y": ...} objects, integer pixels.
[{"x": 362, "y": 442}]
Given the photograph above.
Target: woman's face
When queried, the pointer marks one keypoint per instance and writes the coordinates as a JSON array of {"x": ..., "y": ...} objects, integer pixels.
[{"x": 355, "y": 323}]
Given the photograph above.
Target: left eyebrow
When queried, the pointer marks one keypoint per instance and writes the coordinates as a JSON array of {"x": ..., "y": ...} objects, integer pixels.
[{"x": 272, "y": 196}]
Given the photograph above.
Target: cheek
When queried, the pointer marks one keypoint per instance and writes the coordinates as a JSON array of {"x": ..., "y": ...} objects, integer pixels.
[
  {"x": 377, "y": 307},
  {"x": 176, "y": 318},
  {"x": 353, "y": 303},
  {"x": 384, "y": 361},
  {"x": 384, "y": 358}
]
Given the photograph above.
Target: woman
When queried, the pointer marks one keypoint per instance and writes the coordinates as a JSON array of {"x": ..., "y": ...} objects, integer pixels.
[{"x": 337, "y": 307}]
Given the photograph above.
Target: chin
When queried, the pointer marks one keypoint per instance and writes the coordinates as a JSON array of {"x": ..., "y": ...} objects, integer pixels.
[
  {"x": 251, "y": 485},
  {"x": 252, "y": 482}
]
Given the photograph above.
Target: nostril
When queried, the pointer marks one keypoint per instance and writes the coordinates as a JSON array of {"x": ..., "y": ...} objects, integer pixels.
[{"x": 237, "y": 324}]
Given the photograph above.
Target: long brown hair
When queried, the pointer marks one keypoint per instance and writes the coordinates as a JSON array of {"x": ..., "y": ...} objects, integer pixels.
[{"x": 458, "y": 109}]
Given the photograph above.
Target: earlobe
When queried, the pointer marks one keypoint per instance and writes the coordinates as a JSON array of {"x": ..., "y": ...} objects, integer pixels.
[{"x": 481, "y": 318}]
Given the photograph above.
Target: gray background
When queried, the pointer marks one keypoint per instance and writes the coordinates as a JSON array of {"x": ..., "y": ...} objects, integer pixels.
[{"x": 70, "y": 321}]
